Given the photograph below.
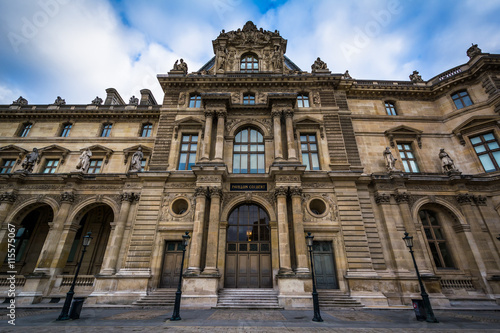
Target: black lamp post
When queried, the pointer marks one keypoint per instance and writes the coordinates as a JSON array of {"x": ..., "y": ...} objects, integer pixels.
[
  {"x": 69, "y": 296},
  {"x": 178, "y": 293},
  {"x": 425, "y": 297},
  {"x": 317, "y": 315}
]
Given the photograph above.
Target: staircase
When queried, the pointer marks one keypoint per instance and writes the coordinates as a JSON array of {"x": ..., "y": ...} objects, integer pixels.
[
  {"x": 247, "y": 299},
  {"x": 336, "y": 299},
  {"x": 159, "y": 297}
]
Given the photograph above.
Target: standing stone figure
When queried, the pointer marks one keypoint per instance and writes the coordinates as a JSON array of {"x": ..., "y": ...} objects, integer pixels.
[
  {"x": 390, "y": 161},
  {"x": 30, "y": 160},
  {"x": 446, "y": 161},
  {"x": 135, "y": 164},
  {"x": 84, "y": 162}
]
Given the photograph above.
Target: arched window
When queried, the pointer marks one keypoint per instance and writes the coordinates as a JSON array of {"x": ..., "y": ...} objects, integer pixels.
[
  {"x": 249, "y": 63},
  {"x": 248, "y": 153},
  {"x": 195, "y": 101},
  {"x": 436, "y": 239},
  {"x": 249, "y": 99}
]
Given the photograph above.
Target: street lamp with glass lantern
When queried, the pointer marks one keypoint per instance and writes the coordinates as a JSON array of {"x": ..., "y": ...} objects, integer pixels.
[
  {"x": 178, "y": 293},
  {"x": 425, "y": 297},
  {"x": 69, "y": 296},
  {"x": 317, "y": 315}
]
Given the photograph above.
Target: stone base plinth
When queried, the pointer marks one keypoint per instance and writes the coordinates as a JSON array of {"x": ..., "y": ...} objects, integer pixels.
[
  {"x": 200, "y": 291},
  {"x": 295, "y": 292}
]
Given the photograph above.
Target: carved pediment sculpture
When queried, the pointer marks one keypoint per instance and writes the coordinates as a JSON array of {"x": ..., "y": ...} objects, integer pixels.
[
  {"x": 20, "y": 101},
  {"x": 473, "y": 51},
  {"x": 319, "y": 66},
  {"x": 415, "y": 77},
  {"x": 59, "y": 101}
]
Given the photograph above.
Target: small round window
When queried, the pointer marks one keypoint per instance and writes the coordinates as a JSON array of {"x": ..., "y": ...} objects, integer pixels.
[
  {"x": 180, "y": 206},
  {"x": 317, "y": 207}
]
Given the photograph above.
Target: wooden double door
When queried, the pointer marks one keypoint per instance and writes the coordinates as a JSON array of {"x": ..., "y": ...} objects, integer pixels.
[
  {"x": 171, "y": 269},
  {"x": 248, "y": 249}
]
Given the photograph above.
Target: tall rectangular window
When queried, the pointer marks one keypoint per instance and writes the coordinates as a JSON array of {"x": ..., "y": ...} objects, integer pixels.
[
  {"x": 195, "y": 101},
  {"x": 50, "y": 166},
  {"x": 189, "y": 145},
  {"x": 66, "y": 129},
  {"x": 95, "y": 166},
  {"x": 25, "y": 130},
  {"x": 435, "y": 238},
  {"x": 302, "y": 101},
  {"x": 390, "y": 108},
  {"x": 488, "y": 151},
  {"x": 309, "y": 148},
  {"x": 407, "y": 157},
  {"x": 106, "y": 130},
  {"x": 146, "y": 130},
  {"x": 7, "y": 166}
]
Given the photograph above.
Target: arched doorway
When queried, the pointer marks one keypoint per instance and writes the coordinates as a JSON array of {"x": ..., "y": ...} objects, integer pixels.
[
  {"x": 29, "y": 239},
  {"x": 96, "y": 220},
  {"x": 248, "y": 248}
]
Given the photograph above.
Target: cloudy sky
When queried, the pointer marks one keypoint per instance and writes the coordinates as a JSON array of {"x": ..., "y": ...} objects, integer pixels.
[{"x": 77, "y": 48}]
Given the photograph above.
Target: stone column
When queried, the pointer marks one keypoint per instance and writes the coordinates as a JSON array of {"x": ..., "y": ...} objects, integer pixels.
[
  {"x": 208, "y": 135},
  {"x": 213, "y": 231},
  {"x": 292, "y": 152},
  {"x": 197, "y": 238},
  {"x": 56, "y": 228},
  {"x": 63, "y": 245},
  {"x": 6, "y": 199},
  {"x": 283, "y": 235},
  {"x": 298, "y": 231},
  {"x": 278, "y": 146},
  {"x": 116, "y": 236},
  {"x": 219, "y": 143}
]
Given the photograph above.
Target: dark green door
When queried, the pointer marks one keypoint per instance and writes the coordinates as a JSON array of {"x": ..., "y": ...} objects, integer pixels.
[{"x": 324, "y": 266}]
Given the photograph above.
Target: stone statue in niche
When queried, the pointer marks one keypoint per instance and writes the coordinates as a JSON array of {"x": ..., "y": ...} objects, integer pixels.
[
  {"x": 277, "y": 59},
  {"x": 390, "y": 161},
  {"x": 84, "y": 162},
  {"x": 30, "y": 160},
  {"x": 446, "y": 161},
  {"x": 136, "y": 162}
]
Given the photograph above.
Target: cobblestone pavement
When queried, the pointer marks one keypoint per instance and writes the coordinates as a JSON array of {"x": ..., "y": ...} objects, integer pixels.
[{"x": 126, "y": 320}]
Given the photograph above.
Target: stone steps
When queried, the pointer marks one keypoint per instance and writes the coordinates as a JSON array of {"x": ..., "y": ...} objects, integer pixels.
[
  {"x": 247, "y": 299},
  {"x": 335, "y": 299},
  {"x": 159, "y": 297}
]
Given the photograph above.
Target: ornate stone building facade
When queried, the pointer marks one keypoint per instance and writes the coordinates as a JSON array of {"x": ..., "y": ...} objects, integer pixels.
[{"x": 248, "y": 154}]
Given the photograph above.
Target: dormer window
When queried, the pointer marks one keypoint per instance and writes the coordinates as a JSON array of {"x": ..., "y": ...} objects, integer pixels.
[
  {"x": 249, "y": 64},
  {"x": 249, "y": 99}
]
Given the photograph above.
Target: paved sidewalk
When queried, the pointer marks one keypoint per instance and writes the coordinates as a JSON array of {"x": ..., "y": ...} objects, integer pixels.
[{"x": 125, "y": 320}]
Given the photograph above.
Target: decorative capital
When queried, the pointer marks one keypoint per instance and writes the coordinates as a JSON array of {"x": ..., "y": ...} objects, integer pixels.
[
  {"x": 200, "y": 192},
  {"x": 221, "y": 113},
  {"x": 402, "y": 197},
  {"x": 215, "y": 192},
  {"x": 479, "y": 200},
  {"x": 288, "y": 113},
  {"x": 130, "y": 197},
  {"x": 68, "y": 197},
  {"x": 296, "y": 191},
  {"x": 276, "y": 113},
  {"x": 464, "y": 198},
  {"x": 382, "y": 198},
  {"x": 209, "y": 113},
  {"x": 280, "y": 191},
  {"x": 8, "y": 197}
]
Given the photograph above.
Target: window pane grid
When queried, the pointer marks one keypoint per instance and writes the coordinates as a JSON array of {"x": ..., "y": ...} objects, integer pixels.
[
  {"x": 249, "y": 99},
  {"x": 7, "y": 166},
  {"x": 249, "y": 64},
  {"x": 488, "y": 151},
  {"x": 309, "y": 151},
  {"x": 302, "y": 101},
  {"x": 25, "y": 130},
  {"x": 407, "y": 158},
  {"x": 51, "y": 166},
  {"x": 461, "y": 99},
  {"x": 248, "y": 152},
  {"x": 390, "y": 108},
  {"x": 195, "y": 101},
  {"x": 189, "y": 145},
  {"x": 66, "y": 129},
  {"x": 435, "y": 238},
  {"x": 106, "y": 130},
  {"x": 95, "y": 166},
  {"x": 146, "y": 130}
]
